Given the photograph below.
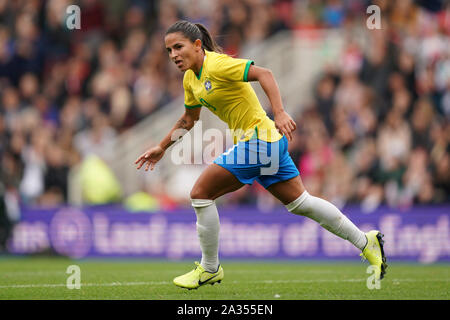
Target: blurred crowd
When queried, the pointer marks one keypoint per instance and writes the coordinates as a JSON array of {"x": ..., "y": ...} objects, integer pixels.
[
  {"x": 377, "y": 131},
  {"x": 64, "y": 92}
]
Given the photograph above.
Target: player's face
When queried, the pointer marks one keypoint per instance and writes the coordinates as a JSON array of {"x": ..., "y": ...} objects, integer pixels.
[{"x": 182, "y": 51}]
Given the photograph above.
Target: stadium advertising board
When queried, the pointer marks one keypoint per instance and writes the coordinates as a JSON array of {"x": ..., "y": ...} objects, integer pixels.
[{"x": 419, "y": 234}]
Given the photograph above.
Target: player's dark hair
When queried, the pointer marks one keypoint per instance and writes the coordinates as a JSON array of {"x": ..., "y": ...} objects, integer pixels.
[{"x": 194, "y": 31}]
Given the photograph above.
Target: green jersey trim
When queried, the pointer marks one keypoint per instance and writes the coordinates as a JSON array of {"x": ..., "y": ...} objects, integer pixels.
[
  {"x": 192, "y": 107},
  {"x": 247, "y": 66},
  {"x": 199, "y": 74}
]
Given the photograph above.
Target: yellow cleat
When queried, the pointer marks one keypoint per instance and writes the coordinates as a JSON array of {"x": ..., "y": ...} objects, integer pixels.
[
  {"x": 198, "y": 277},
  {"x": 374, "y": 253}
]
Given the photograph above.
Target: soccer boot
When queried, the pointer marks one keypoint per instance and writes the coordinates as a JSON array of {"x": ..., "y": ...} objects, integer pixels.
[
  {"x": 374, "y": 253},
  {"x": 198, "y": 277}
]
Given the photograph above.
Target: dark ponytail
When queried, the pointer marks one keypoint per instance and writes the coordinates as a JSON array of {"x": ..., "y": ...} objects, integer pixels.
[
  {"x": 208, "y": 42},
  {"x": 195, "y": 31}
]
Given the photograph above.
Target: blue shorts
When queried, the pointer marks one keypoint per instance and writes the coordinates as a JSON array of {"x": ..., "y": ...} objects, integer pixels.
[{"x": 265, "y": 162}]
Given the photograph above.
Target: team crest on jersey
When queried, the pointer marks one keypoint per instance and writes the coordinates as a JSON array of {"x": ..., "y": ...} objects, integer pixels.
[{"x": 208, "y": 85}]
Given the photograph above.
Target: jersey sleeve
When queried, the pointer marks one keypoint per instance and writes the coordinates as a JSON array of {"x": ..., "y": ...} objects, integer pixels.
[
  {"x": 189, "y": 100},
  {"x": 228, "y": 68}
]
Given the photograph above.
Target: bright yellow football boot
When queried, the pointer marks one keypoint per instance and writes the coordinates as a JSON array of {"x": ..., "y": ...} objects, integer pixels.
[
  {"x": 198, "y": 277},
  {"x": 374, "y": 253}
]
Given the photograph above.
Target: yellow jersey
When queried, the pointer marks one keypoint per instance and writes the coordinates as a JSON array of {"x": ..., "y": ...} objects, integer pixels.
[{"x": 222, "y": 87}]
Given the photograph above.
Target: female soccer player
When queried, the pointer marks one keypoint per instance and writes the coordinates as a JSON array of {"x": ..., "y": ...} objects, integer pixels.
[{"x": 220, "y": 83}]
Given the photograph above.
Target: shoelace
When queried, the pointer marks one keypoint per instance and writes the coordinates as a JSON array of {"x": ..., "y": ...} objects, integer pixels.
[{"x": 197, "y": 269}]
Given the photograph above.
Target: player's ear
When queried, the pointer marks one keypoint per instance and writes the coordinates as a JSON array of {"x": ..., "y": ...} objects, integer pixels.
[{"x": 198, "y": 44}]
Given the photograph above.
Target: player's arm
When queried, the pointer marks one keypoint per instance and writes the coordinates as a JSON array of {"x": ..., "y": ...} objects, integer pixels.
[
  {"x": 283, "y": 121},
  {"x": 183, "y": 125}
]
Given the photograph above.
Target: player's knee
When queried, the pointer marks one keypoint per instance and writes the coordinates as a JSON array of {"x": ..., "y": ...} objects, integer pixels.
[
  {"x": 200, "y": 193},
  {"x": 301, "y": 205}
]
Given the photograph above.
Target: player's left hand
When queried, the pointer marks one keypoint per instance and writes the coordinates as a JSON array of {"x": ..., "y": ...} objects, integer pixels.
[{"x": 285, "y": 124}]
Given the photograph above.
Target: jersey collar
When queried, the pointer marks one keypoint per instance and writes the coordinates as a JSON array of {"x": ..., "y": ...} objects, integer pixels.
[{"x": 201, "y": 68}]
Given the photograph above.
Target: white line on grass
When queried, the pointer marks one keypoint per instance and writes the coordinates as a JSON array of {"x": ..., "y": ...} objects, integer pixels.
[
  {"x": 32, "y": 273},
  {"x": 155, "y": 283},
  {"x": 112, "y": 284}
]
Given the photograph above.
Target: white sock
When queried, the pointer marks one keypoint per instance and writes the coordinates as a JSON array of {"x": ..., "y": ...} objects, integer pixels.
[
  {"x": 208, "y": 232},
  {"x": 329, "y": 217}
]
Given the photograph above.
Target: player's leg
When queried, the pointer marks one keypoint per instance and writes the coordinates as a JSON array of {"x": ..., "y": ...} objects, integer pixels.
[
  {"x": 297, "y": 200},
  {"x": 214, "y": 182},
  {"x": 287, "y": 186}
]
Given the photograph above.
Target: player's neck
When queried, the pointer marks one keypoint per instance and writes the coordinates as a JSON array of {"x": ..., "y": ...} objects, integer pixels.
[{"x": 198, "y": 66}]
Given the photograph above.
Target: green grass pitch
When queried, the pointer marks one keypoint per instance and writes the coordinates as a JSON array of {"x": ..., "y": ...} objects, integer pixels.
[{"x": 34, "y": 278}]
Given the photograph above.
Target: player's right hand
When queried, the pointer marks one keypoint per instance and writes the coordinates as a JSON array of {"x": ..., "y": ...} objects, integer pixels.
[
  {"x": 285, "y": 124},
  {"x": 151, "y": 157}
]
